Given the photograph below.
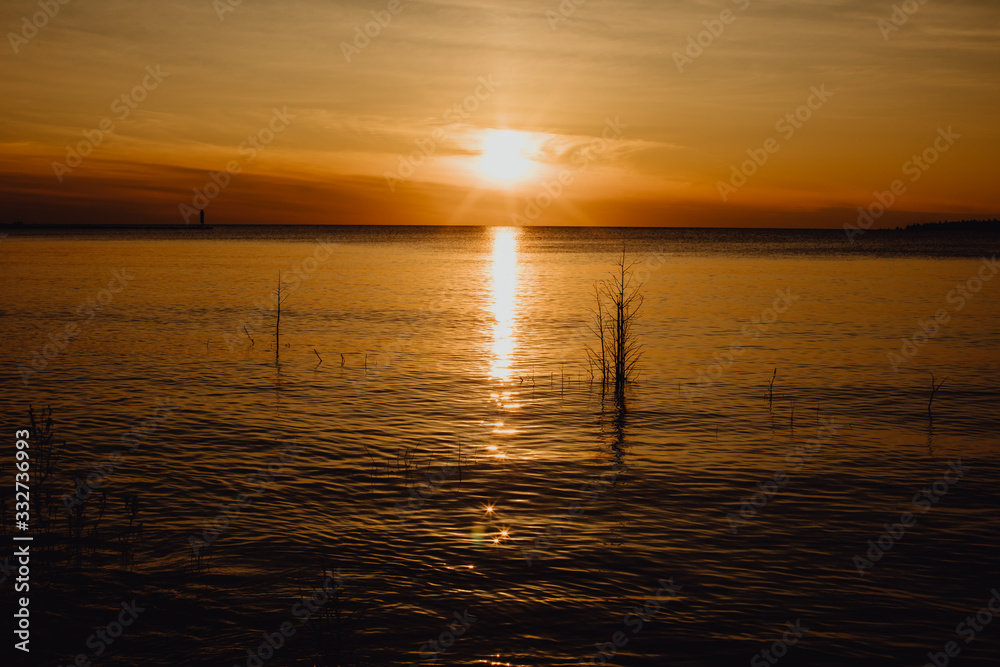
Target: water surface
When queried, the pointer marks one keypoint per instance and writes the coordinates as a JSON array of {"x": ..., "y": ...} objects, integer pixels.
[{"x": 464, "y": 386}]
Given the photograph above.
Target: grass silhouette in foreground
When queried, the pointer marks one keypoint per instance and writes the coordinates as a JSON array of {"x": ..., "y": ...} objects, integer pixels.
[{"x": 63, "y": 530}]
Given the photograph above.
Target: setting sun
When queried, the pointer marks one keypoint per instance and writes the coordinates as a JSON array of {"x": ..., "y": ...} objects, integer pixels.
[{"x": 503, "y": 156}]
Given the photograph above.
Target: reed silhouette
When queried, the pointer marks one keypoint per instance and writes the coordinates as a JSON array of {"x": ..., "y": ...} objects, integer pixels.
[
  {"x": 934, "y": 391},
  {"x": 613, "y": 317},
  {"x": 770, "y": 389},
  {"x": 277, "y": 319},
  {"x": 64, "y": 525}
]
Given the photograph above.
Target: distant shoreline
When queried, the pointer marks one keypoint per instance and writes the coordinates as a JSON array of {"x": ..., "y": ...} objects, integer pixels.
[
  {"x": 71, "y": 226},
  {"x": 953, "y": 225},
  {"x": 964, "y": 226}
]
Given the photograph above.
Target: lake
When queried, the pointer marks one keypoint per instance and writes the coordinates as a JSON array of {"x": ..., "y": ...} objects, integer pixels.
[{"x": 423, "y": 455}]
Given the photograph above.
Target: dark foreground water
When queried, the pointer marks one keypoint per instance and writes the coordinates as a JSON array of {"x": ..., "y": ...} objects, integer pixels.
[{"x": 461, "y": 484}]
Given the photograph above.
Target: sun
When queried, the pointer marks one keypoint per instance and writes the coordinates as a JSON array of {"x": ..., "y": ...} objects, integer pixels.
[{"x": 503, "y": 157}]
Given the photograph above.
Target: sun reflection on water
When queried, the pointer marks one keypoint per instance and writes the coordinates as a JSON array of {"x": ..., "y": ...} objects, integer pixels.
[
  {"x": 504, "y": 301},
  {"x": 504, "y": 339}
]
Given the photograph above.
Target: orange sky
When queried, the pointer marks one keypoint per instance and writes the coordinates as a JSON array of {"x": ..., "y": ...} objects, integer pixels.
[{"x": 620, "y": 113}]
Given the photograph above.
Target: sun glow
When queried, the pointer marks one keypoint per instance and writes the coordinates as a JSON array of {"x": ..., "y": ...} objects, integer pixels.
[{"x": 504, "y": 155}]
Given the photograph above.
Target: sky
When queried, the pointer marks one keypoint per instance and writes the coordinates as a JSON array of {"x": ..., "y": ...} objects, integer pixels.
[{"x": 723, "y": 113}]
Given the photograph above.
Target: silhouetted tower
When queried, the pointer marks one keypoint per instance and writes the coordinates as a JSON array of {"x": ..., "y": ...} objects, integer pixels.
[{"x": 202, "y": 217}]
